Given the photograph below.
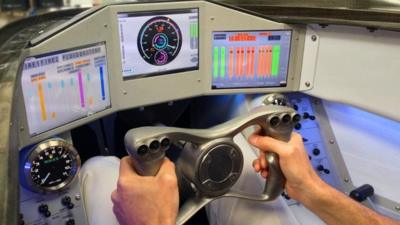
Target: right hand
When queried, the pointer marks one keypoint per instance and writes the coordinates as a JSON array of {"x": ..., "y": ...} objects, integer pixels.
[
  {"x": 301, "y": 179},
  {"x": 146, "y": 200}
]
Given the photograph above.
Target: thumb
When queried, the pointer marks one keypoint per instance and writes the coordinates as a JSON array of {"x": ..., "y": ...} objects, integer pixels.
[{"x": 267, "y": 144}]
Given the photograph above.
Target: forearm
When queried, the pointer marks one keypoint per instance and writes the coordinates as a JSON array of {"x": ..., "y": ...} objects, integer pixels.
[{"x": 335, "y": 208}]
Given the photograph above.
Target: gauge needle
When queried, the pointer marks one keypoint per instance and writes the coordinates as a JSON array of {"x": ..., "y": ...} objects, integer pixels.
[
  {"x": 44, "y": 179},
  {"x": 173, "y": 47}
]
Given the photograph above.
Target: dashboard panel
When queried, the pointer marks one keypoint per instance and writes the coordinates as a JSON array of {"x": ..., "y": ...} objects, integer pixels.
[{"x": 152, "y": 53}]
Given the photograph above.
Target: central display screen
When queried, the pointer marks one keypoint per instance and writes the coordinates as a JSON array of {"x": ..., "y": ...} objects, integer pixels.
[
  {"x": 158, "y": 42},
  {"x": 64, "y": 86},
  {"x": 250, "y": 59}
]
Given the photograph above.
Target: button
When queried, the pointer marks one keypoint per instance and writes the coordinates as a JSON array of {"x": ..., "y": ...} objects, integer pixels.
[
  {"x": 306, "y": 115},
  {"x": 142, "y": 150},
  {"x": 274, "y": 121},
  {"x": 165, "y": 142},
  {"x": 296, "y": 118},
  {"x": 66, "y": 200},
  {"x": 295, "y": 107},
  {"x": 154, "y": 145},
  {"x": 316, "y": 151},
  {"x": 286, "y": 118},
  {"x": 312, "y": 117},
  {"x": 297, "y": 126},
  {"x": 70, "y": 222},
  {"x": 47, "y": 214},
  {"x": 70, "y": 205},
  {"x": 43, "y": 208}
]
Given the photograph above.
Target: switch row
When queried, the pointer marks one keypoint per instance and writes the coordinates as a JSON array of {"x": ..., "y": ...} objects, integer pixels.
[{"x": 154, "y": 146}]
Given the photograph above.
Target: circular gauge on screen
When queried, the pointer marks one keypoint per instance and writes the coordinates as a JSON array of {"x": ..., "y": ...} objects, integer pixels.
[
  {"x": 159, "y": 40},
  {"x": 50, "y": 166}
]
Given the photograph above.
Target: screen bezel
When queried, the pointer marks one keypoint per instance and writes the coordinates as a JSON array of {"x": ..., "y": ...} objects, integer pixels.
[
  {"x": 254, "y": 87},
  {"x": 102, "y": 43},
  {"x": 155, "y": 13}
]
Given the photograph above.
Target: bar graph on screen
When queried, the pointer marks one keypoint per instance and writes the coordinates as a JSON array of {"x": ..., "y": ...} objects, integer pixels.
[
  {"x": 64, "y": 87},
  {"x": 250, "y": 59}
]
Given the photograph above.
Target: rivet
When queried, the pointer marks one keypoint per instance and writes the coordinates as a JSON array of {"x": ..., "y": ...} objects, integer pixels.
[
  {"x": 105, "y": 25},
  {"x": 313, "y": 37},
  {"x": 346, "y": 180},
  {"x": 124, "y": 92},
  {"x": 11, "y": 124},
  {"x": 397, "y": 207},
  {"x": 21, "y": 128},
  {"x": 308, "y": 84},
  {"x": 212, "y": 18},
  {"x": 78, "y": 197},
  {"x": 331, "y": 141}
]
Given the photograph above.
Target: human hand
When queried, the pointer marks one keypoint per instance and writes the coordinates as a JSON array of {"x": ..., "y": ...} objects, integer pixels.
[
  {"x": 146, "y": 200},
  {"x": 301, "y": 179}
]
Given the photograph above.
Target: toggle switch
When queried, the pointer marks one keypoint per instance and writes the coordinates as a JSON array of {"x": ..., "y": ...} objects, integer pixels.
[{"x": 321, "y": 168}]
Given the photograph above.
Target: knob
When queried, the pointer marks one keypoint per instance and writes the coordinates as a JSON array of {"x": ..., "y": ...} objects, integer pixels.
[
  {"x": 43, "y": 208},
  {"x": 321, "y": 168},
  {"x": 70, "y": 222},
  {"x": 70, "y": 205},
  {"x": 361, "y": 193},
  {"x": 316, "y": 151},
  {"x": 66, "y": 200}
]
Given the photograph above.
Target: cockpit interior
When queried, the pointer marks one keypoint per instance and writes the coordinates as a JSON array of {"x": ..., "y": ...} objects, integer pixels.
[{"x": 82, "y": 87}]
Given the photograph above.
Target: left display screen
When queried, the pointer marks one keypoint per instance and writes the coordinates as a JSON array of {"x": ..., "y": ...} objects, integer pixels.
[{"x": 64, "y": 86}]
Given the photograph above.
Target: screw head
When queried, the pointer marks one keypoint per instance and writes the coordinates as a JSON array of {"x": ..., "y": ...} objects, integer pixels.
[
  {"x": 314, "y": 37},
  {"x": 308, "y": 83},
  {"x": 397, "y": 207},
  {"x": 346, "y": 180},
  {"x": 331, "y": 141}
]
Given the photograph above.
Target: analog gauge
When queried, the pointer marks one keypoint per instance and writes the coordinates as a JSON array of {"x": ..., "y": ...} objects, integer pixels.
[
  {"x": 51, "y": 166},
  {"x": 159, "y": 40}
]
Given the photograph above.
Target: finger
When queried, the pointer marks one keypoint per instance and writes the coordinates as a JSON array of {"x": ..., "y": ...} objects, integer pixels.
[
  {"x": 265, "y": 143},
  {"x": 263, "y": 160},
  {"x": 114, "y": 197},
  {"x": 264, "y": 173},
  {"x": 167, "y": 167},
  {"x": 126, "y": 167},
  {"x": 256, "y": 165}
]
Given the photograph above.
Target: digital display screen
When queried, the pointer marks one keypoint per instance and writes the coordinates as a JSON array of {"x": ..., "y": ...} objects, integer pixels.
[
  {"x": 250, "y": 59},
  {"x": 161, "y": 42},
  {"x": 64, "y": 86}
]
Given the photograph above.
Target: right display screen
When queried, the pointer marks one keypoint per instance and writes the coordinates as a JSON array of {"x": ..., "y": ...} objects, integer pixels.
[{"x": 250, "y": 59}]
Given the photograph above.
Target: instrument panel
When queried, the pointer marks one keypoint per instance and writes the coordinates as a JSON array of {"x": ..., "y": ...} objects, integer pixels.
[{"x": 141, "y": 54}]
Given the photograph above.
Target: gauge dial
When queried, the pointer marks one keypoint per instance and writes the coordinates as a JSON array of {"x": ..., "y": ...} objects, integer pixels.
[
  {"x": 159, "y": 41},
  {"x": 51, "y": 166}
]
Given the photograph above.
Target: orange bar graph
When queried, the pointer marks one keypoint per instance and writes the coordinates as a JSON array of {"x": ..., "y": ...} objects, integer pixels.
[
  {"x": 248, "y": 61},
  {"x": 237, "y": 67},
  {"x": 260, "y": 61},
  {"x": 230, "y": 67},
  {"x": 242, "y": 61},
  {"x": 252, "y": 61},
  {"x": 268, "y": 60},
  {"x": 42, "y": 102}
]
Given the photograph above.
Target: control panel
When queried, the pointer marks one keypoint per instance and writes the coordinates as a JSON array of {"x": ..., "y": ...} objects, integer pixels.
[
  {"x": 310, "y": 129},
  {"x": 50, "y": 193}
]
